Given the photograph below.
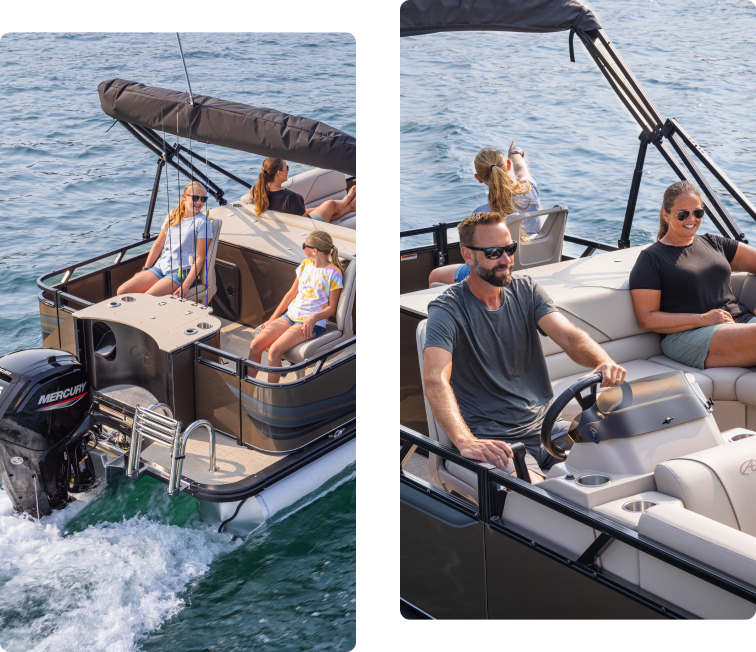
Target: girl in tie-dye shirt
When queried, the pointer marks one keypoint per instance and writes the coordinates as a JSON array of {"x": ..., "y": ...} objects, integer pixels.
[{"x": 304, "y": 311}]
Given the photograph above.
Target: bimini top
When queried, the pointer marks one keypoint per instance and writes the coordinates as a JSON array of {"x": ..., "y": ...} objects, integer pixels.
[
  {"x": 428, "y": 16},
  {"x": 266, "y": 132}
]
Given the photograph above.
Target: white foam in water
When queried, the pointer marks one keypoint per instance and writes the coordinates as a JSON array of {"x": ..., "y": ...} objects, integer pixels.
[{"x": 104, "y": 588}]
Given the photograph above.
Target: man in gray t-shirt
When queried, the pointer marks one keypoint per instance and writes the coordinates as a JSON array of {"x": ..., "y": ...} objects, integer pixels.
[{"x": 484, "y": 370}]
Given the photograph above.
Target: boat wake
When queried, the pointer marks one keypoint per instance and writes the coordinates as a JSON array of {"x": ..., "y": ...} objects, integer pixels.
[{"x": 103, "y": 587}]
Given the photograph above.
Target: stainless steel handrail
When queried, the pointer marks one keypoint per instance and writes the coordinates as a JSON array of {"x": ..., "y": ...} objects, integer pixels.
[{"x": 167, "y": 431}]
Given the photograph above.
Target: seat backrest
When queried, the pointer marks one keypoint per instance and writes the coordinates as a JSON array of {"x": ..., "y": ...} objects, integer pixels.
[
  {"x": 718, "y": 483},
  {"x": 317, "y": 185},
  {"x": 346, "y": 301},
  {"x": 545, "y": 247},
  {"x": 209, "y": 275}
]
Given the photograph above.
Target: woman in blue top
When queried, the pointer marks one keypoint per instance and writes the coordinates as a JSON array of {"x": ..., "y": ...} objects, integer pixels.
[{"x": 174, "y": 263}]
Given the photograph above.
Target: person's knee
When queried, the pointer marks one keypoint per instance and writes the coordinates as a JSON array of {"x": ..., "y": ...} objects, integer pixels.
[
  {"x": 276, "y": 351},
  {"x": 442, "y": 275}
]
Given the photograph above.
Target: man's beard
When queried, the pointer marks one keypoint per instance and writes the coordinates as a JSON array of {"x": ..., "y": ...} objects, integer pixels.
[{"x": 490, "y": 276}]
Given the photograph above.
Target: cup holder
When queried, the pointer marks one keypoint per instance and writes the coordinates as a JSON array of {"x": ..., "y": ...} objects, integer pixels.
[
  {"x": 204, "y": 325},
  {"x": 190, "y": 331},
  {"x": 593, "y": 480},
  {"x": 742, "y": 435},
  {"x": 128, "y": 299},
  {"x": 638, "y": 505}
]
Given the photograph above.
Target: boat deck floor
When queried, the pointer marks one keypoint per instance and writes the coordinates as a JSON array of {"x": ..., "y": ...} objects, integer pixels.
[{"x": 233, "y": 462}]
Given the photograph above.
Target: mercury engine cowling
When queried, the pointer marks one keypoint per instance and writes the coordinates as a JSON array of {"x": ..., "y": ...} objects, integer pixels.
[{"x": 44, "y": 400}]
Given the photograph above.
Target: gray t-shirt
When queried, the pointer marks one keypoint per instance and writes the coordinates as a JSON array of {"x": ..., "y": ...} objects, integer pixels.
[{"x": 499, "y": 373}]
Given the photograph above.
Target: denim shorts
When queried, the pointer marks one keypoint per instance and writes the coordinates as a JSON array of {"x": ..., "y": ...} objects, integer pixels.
[
  {"x": 317, "y": 331},
  {"x": 461, "y": 273},
  {"x": 176, "y": 280},
  {"x": 691, "y": 347}
]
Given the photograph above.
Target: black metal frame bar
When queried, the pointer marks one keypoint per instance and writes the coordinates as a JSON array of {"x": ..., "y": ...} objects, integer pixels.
[{"x": 489, "y": 477}]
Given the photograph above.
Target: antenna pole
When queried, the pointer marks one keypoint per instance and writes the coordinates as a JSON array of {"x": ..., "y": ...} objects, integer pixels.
[{"x": 191, "y": 97}]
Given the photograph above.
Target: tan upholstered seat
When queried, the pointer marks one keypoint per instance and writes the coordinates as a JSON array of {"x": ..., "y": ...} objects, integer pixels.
[
  {"x": 337, "y": 332},
  {"x": 446, "y": 475},
  {"x": 719, "y": 483},
  {"x": 207, "y": 278}
]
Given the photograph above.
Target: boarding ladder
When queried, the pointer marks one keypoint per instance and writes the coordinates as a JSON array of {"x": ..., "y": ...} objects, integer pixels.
[{"x": 165, "y": 430}]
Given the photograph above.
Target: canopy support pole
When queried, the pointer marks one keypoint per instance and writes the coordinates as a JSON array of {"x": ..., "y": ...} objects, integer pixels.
[
  {"x": 624, "y": 241},
  {"x": 153, "y": 199}
]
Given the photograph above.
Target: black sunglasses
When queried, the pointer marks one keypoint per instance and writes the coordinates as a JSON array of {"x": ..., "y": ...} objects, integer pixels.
[
  {"x": 698, "y": 213},
  {"x": 315, "y": 248},
  {"x": 198, "y": 198},
  {"x": 494, "y": 253}
]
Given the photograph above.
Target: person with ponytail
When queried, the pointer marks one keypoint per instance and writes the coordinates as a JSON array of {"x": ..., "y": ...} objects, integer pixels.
[
  {"x": 681, "y": 287},
  {"x": 268, "y": 194},
  {"x": 511, "y": 189},
  {"x": 173, "y": 263},
  {"x": 306, "y": 307}
]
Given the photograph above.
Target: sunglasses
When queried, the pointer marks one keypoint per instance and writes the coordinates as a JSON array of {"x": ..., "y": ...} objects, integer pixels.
[
  {"x": 306, "y": 246},
  {"x": 198, "y": 198},
  {"x": 494, "y": 253},
  {"x": 698, "y": 214}
]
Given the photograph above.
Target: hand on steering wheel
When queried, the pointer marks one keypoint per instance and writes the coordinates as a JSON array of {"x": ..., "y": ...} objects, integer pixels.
[{"x": 561, "y": 401}]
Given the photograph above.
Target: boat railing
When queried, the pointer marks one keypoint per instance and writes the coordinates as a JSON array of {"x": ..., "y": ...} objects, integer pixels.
[
  {"x": 493, "y": 486},
  {"x": 166, "y": 431},
  {"x": 241, "y": 365},
  {"x": 440, "y": 245}
]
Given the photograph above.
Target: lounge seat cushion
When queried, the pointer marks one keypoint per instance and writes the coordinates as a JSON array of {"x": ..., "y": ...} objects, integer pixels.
[
  {"x": 724, "y": 379},
  {"x": 699, "y": 537},
  {"x": 745, "y": 389},
  {"x": 311, "y": 347}
]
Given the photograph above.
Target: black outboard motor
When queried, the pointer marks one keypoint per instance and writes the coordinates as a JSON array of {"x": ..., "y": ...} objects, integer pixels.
[{"x": 44, "y": 400}]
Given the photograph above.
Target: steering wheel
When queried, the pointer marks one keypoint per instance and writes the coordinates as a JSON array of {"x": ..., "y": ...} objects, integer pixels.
[{"x": 585, "y": 401}]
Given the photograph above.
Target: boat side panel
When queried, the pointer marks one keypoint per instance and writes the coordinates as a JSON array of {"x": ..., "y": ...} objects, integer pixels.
[
  {"x": 216, "y": 393},
  {"x": 264, "y": 281},
  {"x": 48, "y": 317},
  {"x": 288, "y": 416},
  {"x": 442, "y": 562},
  {"x": 524, "y": 583},
  {"x": 119, "y": 274},
  {"x": 414, "y": 272}
]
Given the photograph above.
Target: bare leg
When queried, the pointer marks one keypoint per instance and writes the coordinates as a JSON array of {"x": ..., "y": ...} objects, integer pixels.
[
  {"x": 443, "y": 274},
  {"x": 290, "y": 338},
  {"x": 733, "y": 345},
  {"x": 138, "y": 284},
  {"x": 334, "y": 208},
  {"x": 163, "y": 287},
  {"x": 268, "y": 336}
]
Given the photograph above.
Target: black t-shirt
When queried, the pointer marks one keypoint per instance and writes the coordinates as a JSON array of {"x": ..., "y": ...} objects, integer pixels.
[
  {"x": 284, "y": 201},
  {"x": 692, "y": 279}
]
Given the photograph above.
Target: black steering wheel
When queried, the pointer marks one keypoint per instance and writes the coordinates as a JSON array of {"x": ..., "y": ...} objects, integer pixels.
[{"x": 560, "y": 402}]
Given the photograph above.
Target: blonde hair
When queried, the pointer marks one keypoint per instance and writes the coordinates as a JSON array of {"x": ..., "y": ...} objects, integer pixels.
[
  {"x": 179, "y": 213},
  {"x": 260, "y": 190},
  {"x": 491, "y": 166},
  {"x": 324, "y": 242},
  {"x": 676, "y": 190}
]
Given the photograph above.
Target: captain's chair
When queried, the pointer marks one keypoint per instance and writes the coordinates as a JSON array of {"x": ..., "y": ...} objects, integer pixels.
[
  {"x": 544, "y": 247},
  {"x": 206, "y": 283},
  {"x": 336, "y": 331},
  {"x": 446, "y": 475}
]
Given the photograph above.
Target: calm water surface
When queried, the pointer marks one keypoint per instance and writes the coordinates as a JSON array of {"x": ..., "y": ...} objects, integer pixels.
[
  {"x": 131, "y": 568},
  {"x": 696, "y": 60}
]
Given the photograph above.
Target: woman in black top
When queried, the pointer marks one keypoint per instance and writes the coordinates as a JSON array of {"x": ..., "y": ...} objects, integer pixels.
[
  {"x": 681, "y": 288},
  {"x": 267, "y": 194}
]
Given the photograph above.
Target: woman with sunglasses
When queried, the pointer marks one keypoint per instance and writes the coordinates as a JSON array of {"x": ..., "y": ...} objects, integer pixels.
[
  {"x": 681, "y": 288},
  {"x": 304, "y": 311},
  {"x": 268, "y": 194},
  {"x": 177, "y": 256}
]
